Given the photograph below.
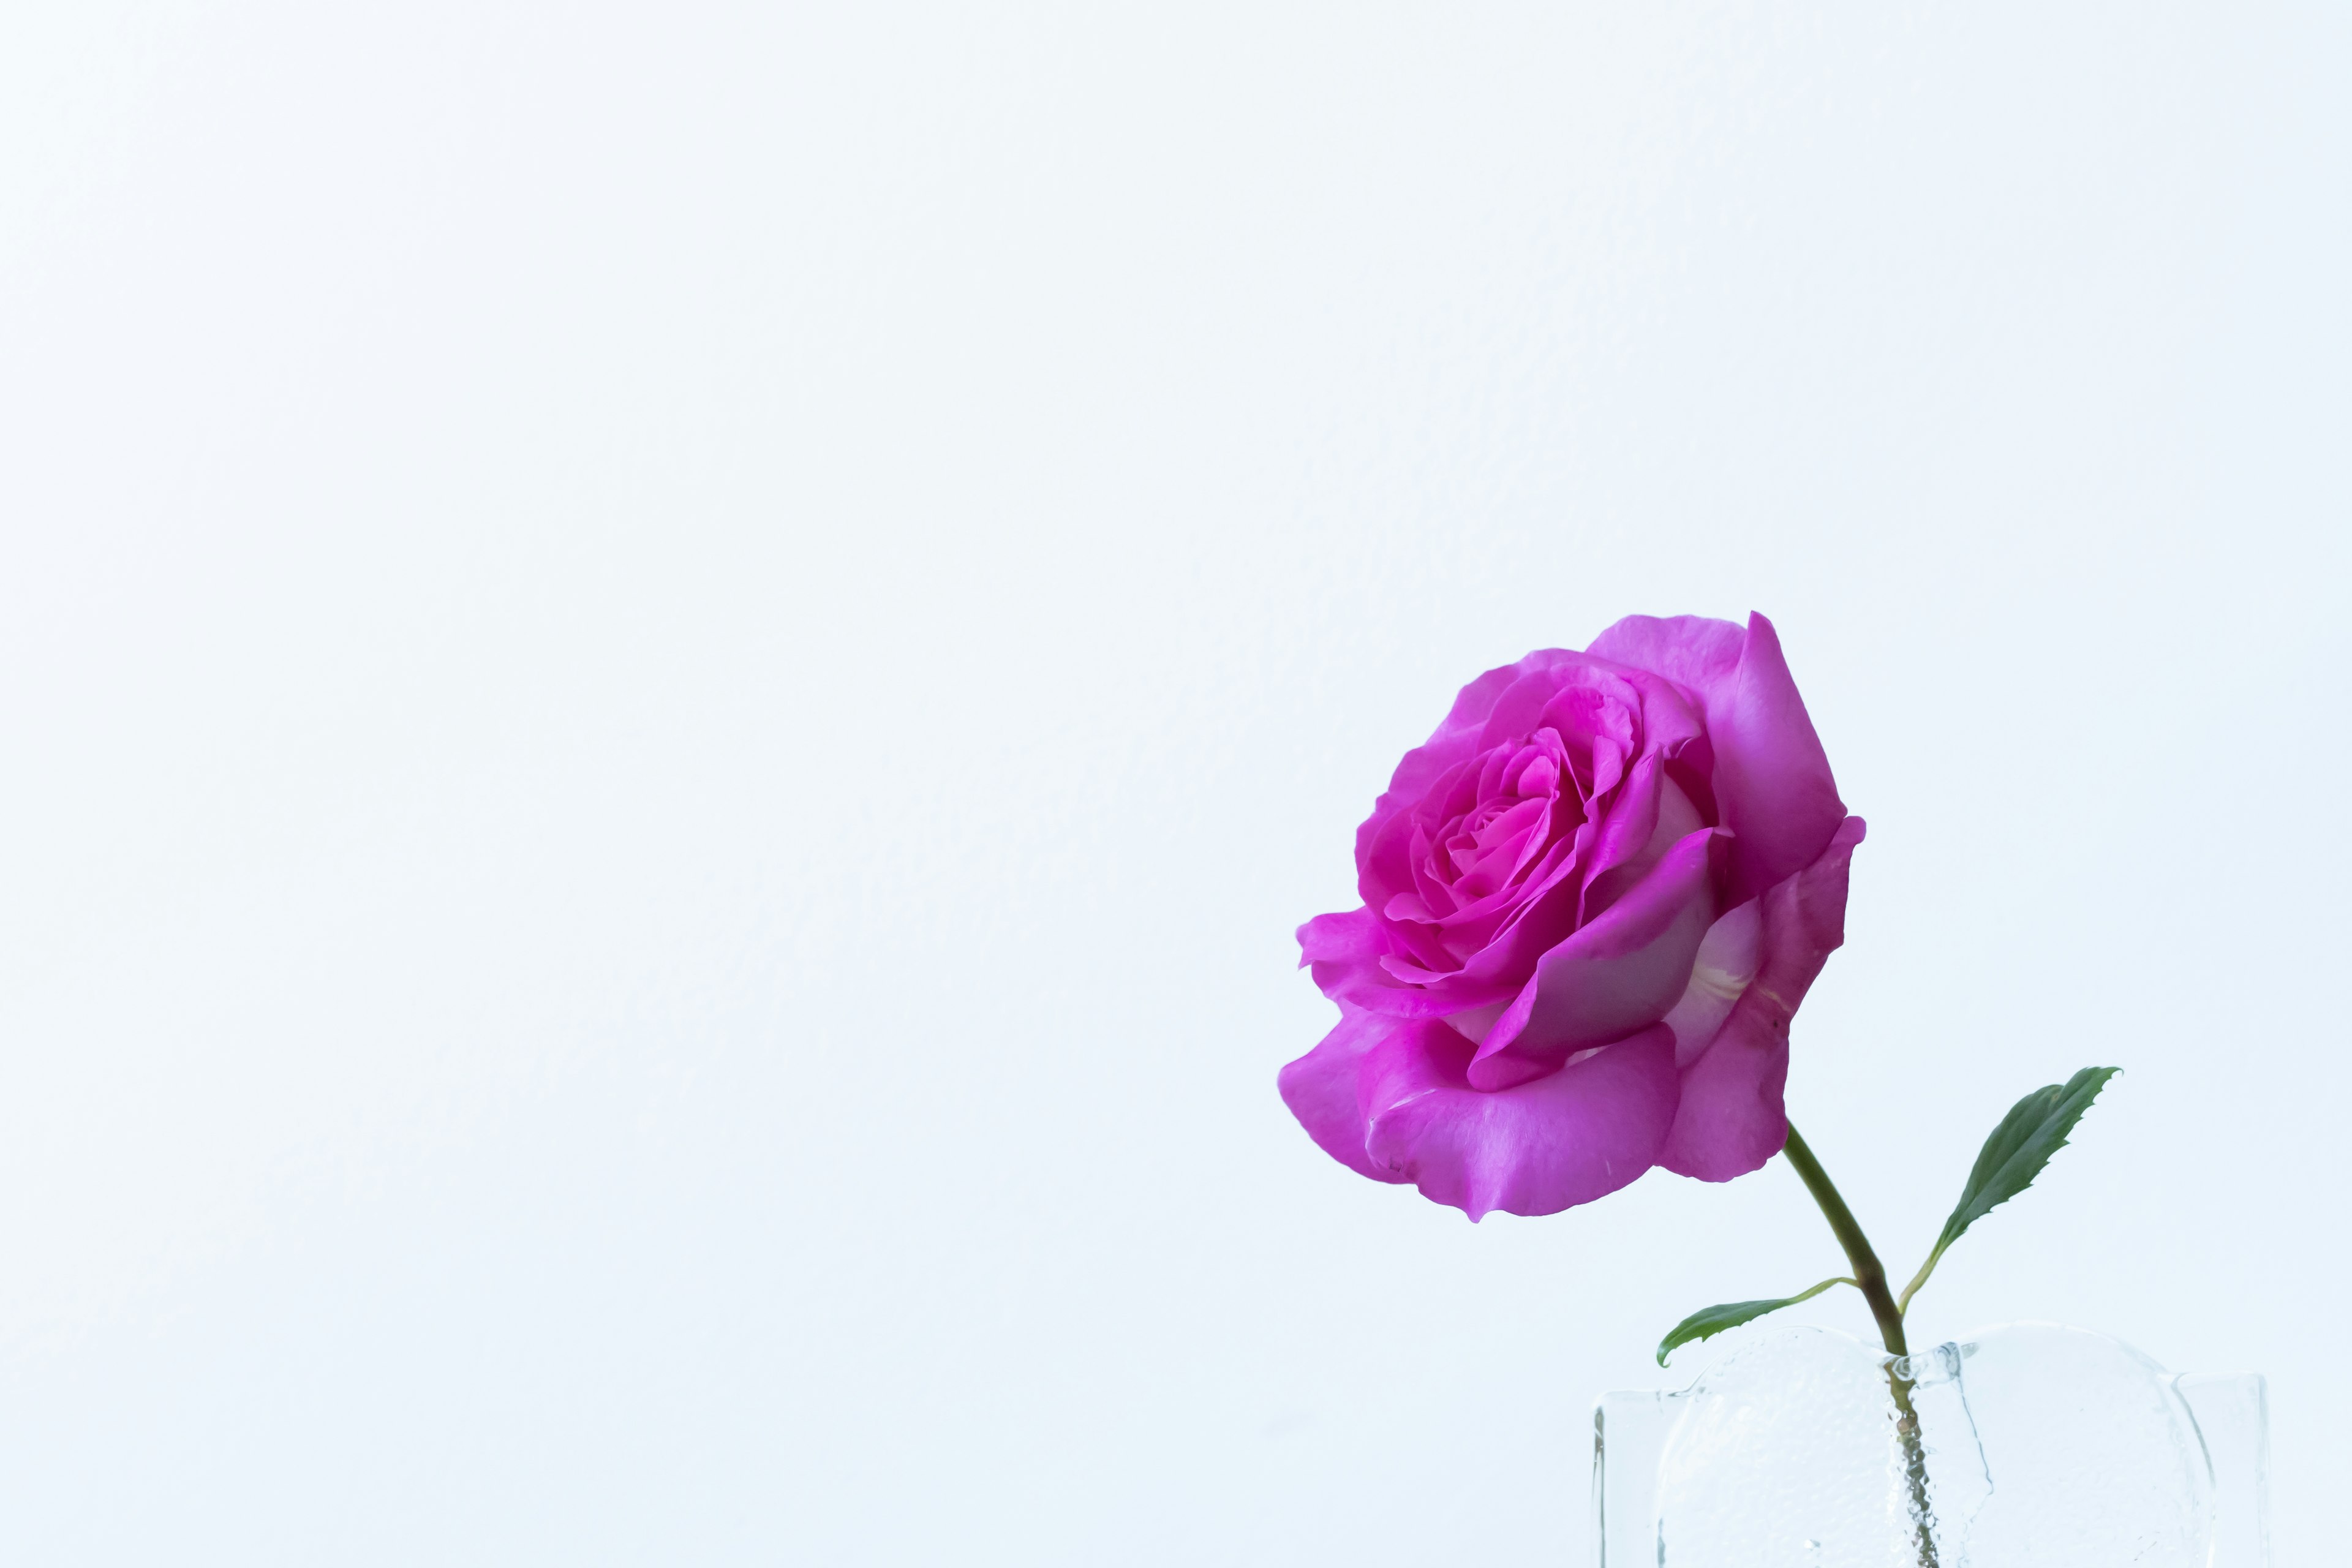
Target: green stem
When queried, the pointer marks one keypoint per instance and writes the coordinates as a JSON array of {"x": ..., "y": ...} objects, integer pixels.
[
  {"x": 1870, "y": 1276},
  {"x": 1868, "y": 1272}
]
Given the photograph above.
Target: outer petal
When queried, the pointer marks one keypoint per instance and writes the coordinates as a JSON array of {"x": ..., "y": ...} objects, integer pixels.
[
  {"x": 1540, "y": 677},
  {"x": 1576, "y": 1135},
  {"x": 1692, "y": 651},
  {"x": 1619, "y": 973},
  {"x": 1771, "y": 778},
  {"x": 1731, "y": 1119},
  {"x": 1344, "y": 952},
  {"x": 1323, "y": 1090},
  {"x": 1772, "y": 781}
]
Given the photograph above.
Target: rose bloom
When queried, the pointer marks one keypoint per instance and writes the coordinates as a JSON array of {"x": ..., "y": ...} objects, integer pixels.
[{"x": 1592, "y": 903}]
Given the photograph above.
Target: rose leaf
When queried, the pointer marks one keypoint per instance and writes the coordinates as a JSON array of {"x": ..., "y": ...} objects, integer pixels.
[
  {"x": 2035, "y": 1128},
  {"x": 1710, "y": 1321}
]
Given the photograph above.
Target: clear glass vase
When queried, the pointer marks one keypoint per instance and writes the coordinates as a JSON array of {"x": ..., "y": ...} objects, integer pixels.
[{"x": 2025, "y": 1445}]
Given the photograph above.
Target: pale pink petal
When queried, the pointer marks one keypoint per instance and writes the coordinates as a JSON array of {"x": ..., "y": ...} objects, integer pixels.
[
  {"x": 1731, "y": 1119},
  {"x": 1728, "y": 960}
]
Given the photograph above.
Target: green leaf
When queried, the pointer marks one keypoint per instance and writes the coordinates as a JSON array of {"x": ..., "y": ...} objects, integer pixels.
[
  {"x": 2035, "y": 1128},
  {"x": 1712, "y": 1320}
]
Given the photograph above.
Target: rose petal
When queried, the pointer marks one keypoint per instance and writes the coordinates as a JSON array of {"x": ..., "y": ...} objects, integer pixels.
[
  {"x": 1731, "y": 1117},
  {"x": 1726, "y": 963},
  {"x": 1322, "y": 1090},
  {"x": 1617, "y": 975},
  {"x": 1563, "y": 1140},
  {"x": 1346, "y": 952},
  {"x": 1359, "y": 961},
  {"x": 1772, "y": 781},
  {"x": 1651, "y": 806},
  {"x": 1771, "y": 777},
  {"x": 1692, "y": 651},
  {"x": 1567, "y": 690},
  {"x": 1496, "y": 972},
  {"x": 1455, "y": 741}
]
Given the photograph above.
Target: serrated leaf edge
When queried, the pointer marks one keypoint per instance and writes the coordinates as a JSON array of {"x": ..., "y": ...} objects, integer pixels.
[{"x": 2042, "y": 1107}]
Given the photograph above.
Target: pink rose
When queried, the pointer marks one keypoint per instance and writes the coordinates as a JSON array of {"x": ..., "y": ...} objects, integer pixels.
[{"x": 1592, "y": 901}]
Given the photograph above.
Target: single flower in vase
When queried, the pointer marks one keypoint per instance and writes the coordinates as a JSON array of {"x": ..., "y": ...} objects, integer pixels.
[{"x": 1592, "y": 901}]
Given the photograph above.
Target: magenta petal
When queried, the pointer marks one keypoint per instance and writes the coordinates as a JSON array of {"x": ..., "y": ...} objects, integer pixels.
[
  {"x": 1455, "y": 741},
  {"x": 1627, "y": 830},
  {"x": 1520, "y": 707},
  {"x": 1494, "y": 974},
  {"x": 1619, "y": 973},
  {"x": 1350, "y": 956},
  {"x": 1322, "y": 1090},
  {"x": 1771, "y": 777},
  {"x": 1563, "y": 1140},
  {"x": 1772, "y": 781},
  {"x": 1618, "y": 859},
  {"x": 1692, "y": 651},
  {"x": 1731, "y": 1118}
]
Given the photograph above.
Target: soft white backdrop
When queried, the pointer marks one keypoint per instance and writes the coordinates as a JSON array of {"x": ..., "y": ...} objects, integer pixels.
[{"x": 671, "y": 678}]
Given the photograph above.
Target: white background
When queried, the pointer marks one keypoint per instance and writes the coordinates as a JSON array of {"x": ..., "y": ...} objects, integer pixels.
[{"x": 671, "y": 679}]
